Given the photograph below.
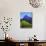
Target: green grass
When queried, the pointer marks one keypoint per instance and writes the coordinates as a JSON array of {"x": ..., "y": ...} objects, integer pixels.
[{"x": 25, "y": 24}]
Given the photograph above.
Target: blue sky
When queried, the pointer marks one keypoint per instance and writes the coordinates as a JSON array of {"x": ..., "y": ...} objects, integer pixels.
[{"x": 22, "y": 14}]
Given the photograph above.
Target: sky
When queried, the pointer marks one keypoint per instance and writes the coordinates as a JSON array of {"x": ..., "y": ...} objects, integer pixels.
[{"x": 22, "y": 14}]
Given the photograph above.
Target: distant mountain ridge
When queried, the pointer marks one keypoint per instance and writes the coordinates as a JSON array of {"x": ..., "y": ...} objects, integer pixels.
[{"x": 27, "y": 18}]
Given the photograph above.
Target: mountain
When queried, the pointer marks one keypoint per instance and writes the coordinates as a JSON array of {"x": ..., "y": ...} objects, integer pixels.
[{"x": 27, "y": 18}]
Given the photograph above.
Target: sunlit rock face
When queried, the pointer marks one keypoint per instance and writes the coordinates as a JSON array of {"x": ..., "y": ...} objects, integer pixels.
[{"x": 35, "y": 3}]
